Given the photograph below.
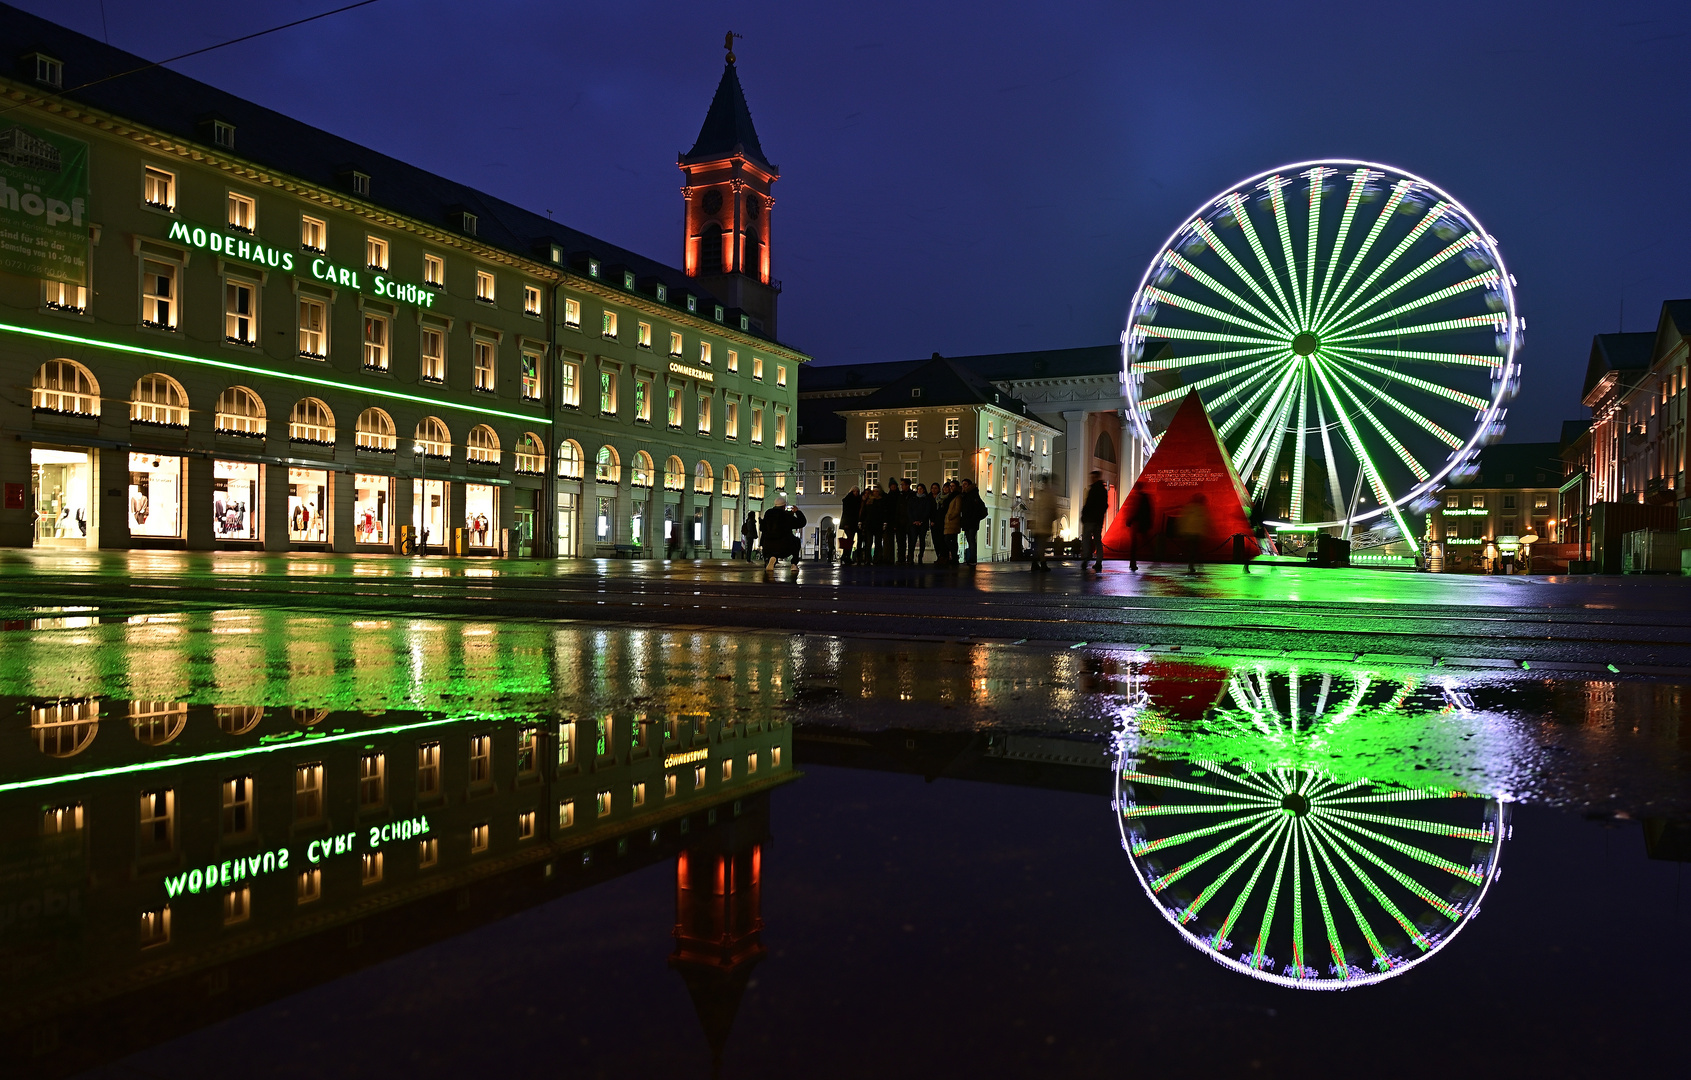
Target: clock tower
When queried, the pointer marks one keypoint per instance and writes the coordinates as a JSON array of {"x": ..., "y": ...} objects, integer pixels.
[{"x": 729, "y": 207}]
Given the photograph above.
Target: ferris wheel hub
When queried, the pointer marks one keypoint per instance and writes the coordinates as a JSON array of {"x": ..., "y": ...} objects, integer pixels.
[
  {"x": 1295, "y": 804},
  {"x": 1305, "y": 344}
]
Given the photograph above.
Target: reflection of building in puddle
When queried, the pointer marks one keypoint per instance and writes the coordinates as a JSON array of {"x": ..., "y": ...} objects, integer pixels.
[
  {"x": 172, "y": 865},
  {"x": 1271, "y": 816}
]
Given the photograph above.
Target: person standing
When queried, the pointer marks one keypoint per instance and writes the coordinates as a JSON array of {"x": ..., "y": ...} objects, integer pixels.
[
  {"x": 921, "y": 517},
  {"x": 777, "y": 532},
  {"x": 1141, "y": 519},
  {"x": 825, "y": 539},
  {"x": 1092, "y": 514},
  {"x": 1042, "y": 521},
  {"x": 892, "y": 523},
  {"x": 850, "y": 507},
  {"x": 972, "y": 513},
  {"x": 796, "y": 522},
  {"x": 953, "y": 522},
  {"x": 942, "y": 499},
  {"x": 1193, "y": 527},
  {"x": 869, "y": 525},
  {"x": 748, "y": 530}
]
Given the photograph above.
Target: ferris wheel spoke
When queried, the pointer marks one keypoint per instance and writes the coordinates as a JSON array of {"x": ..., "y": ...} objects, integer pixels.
[
  {"x": 1262, "y": 368},
  {"x": 1267, "y": 384},
  {"x": 1181, "y": 333},
  {"x": 1384, "y": 432},
  {"x": 1163, "y": 296},
  {"x": 1252, "y": 708},
  {"x": 1358, "y": 183},
  {"x": 1239, "y": 901},
  {"x": 1453, "y": 359},
  {"x": 1259, "y": 953},
  {"x": 1249, "y": 229},
  {"x": 1403, "y": 795},
  {"x": 1185, "y": 785},
  {"x": 1197, "y": 274},
  {"x": 1427, "y": 221},
  {"x": 1258, "y": 431},
  {"x": 1356, "y": 321},
  {"x": 1334, "y": 947},
  {"x": 1176, "y": 364},
  {"x": 1245, "y": 780},
  {"x": 1263, "y": 843},
  {"x": 1264, "y": 466},
  {"x": 1409, "y": 414},
  {"x": 1362, "y": 923},
  {"x": 1335, "y": 491},
  {"x": 1300, "y": 461},
  {"x": 1399, "y": 189},
  {"x": 1438, "y": 903},
  {"x": 1434, "y": 828},
  {"x": 1498, "y": 323},
  {"x": 1316, "y": 177},
  {"x": 1171, "y": 809},
  {"x": 1277, "y": 199},
  {"x": 1423, "y": 385},
  {"x": 1225, "y": 253},
  {"x": 1163, "y": 881},
  {"x": 1419, "y": 854},
  {"x": 1298, "y": 964},
  {"x": 1379, "y": 894},
  {"x": 1363, "y": 460},
  {"x": 1146, "y": 847}
]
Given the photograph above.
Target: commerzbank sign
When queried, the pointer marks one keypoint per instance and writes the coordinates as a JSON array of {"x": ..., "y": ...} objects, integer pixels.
[{"x": 249, "y": 250}]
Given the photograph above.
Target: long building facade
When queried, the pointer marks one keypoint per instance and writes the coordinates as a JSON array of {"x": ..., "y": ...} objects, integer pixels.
[{"x": 222, "y": 328}]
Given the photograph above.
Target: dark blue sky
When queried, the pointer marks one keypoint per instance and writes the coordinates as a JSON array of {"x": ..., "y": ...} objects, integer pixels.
[{"x": 995, "y": 176}]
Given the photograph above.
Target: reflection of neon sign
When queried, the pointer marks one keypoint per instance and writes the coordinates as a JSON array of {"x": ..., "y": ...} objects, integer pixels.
[
  {"x": 234, "y": 871},
  {"x": 687, "y": 758}
]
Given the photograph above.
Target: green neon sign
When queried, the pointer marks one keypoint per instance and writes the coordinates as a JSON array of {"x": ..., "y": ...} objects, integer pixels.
[
  {"x": 229, "y": 872},
  {"x": 249, "y": 250},
  {"x": 247, "y": 369}
]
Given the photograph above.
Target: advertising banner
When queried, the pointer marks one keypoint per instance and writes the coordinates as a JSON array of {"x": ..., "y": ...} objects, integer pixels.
[{"x": 43, "y": 204}]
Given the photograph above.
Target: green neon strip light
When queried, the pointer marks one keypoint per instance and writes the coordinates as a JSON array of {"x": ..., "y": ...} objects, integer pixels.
[
  {"x": 1277, "y": 199},
  {"x": 1176, "y": 395},
  {"x": 1499, "y": 323},
  {"x": 1459, "y": 359},
  {"x": 221, "y": 755},
  {"x": 1299, "y": 455},
  {"x": 1248, "y": 408},
  {"x": 1427, "y": 221},
  {"x": 1350, "y": 902},
  {"x": 1248, "y": 227},
  {"x": 1163, "y": 297},
  {"x": 1426, "y": 424},
  {"x": 1208, "y": 234},
  {"x": 1490, "y": 277},
  {"x": 1385, "y": 433},
  {"x": 1215, "y": 886},
  {"x": 1198, "y": 275},
  {"x": 1181, "y": 334},
  {"x": 1206, "y": 358},
  {"x": 137, "y": 350},
  {"x": 1398, "y": 190},
  {"x": 1358, "y": 180},
  {"x": 1312, "y": 246},
  {"x": 1469, "y": 400},
  {"x": 1381, "y": 493}
]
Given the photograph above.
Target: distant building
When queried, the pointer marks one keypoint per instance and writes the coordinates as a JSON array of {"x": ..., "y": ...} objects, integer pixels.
[{"x": 1514, "y": 491}]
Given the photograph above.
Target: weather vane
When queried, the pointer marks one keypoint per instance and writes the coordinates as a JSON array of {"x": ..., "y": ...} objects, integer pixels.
[{"x": 728, "y": 43}]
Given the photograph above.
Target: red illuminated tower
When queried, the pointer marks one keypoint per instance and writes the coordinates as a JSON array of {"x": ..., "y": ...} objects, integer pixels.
[
  {"x": 729, "y": 206},
  {"x": 719, "y": 922}
]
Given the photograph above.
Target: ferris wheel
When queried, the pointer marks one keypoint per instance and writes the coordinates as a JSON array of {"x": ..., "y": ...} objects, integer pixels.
[
  {"x": 1276, "y": 864},
  {"x": 1351, "y": 329}
]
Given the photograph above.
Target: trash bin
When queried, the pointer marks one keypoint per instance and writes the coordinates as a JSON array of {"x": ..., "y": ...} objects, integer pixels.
[{"x": 1331, "y": 551}]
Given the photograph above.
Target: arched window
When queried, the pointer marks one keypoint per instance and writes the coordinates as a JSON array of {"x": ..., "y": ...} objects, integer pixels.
[
  {"x": 157, "y": 722},
  {"x": 730, "y": 480},
  {"x": 569, "y": 460},
  {"x": 65, "y": 386},
  {"x": 240, "y": 412},
  {"x": 710, "y": 250},
  {"x": 432, "y": 439},
  {"x": 308, "y": 717},
  {"x": 64, "y": 728},
  {"x": 1106, "y": 448},
  {"x": 529, "y": 455},
  {"x": 375, "y": 432},
  {"x": 482, "y": 445},
  {"x": 704, "y": 481},
  {"x": 159, "y": 399},
  {"x": 311, "y": 422},
  {"x": 238, "y": 719},
  {"x": 674, "y": 474},
  {"x": 607, "y": 467},
  {"x": 643, "y": 469},
  {"x": 754, "y": 484},
  {"x": 753, "y": 263}
]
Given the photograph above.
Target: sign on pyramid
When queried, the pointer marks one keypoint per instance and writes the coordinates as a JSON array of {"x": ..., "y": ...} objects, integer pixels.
[{"x": 1190, "y": 472}]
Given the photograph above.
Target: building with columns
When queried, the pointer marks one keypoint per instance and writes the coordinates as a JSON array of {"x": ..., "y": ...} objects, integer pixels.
[
  {"x": 228, "y": 329},
  {"x": 1072, "y": 396}
]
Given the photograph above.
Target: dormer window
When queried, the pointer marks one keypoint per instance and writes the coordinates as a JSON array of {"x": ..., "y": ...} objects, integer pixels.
[
  {"x": 223, "y": 134},
  {"x": 719, "y": 313},
  {"x": 465, "y": 221},
  {"x": 361, "y": 183},
  {"x": 628, "y": 280},
  {"x": 592, "y": 268},
  {"x": 693, "y": 304},
  {"x": 663, "y": 294},
  {"x": 49, "y": 71}
]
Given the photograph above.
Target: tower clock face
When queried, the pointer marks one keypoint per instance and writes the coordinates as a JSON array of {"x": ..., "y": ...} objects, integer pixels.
[{"x": 713, "y": 202}]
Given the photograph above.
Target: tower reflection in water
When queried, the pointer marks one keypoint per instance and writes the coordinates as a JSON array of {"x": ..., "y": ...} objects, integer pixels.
[
  {"x": 1313, "y": 824},
  {"x": 166, "y": 863}
]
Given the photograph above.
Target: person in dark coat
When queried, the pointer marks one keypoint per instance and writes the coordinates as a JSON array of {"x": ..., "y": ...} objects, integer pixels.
[
  {"x": 921, "y": 511},
  {"x": 869, "y": 524},
  {"x": 1092, "y": 514},
  {"x": 851, "y": 510},
  {"x": 972, "y": 514},
  {"x": 776, "y": 529},
  {"x": 892, "y": 524},
  {"x": 748, "y": 530},
  {"x": 1141, "y": 520}
]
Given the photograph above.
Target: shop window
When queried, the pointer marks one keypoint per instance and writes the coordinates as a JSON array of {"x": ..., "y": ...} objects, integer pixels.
[
  {"x": 434, "y": 270},
  {"x": 531, "y": 376},
  {"x": 375, "y": 343},
  {"x": 432, "y": 355},
  {"x": 234, "y": 500},
  {"x": 308, "y": 793},
  {"x": 65, "y": 386},
  {"x": 570, "y": 460},
  {"x": 569, "y": 381},
  {"x": 243, "y": 212},
  {"x": 481, "y": 514},
  {"x": 376, "y": 253},
  {"x": 730, "y": 487},
  {"x": 674, "y": 474},
  {"x": 484, "y": 361},
  {"x": 704, "y": 482},
  {"x": 311, "y": 422},
  {"x": 374, "y": 431},
  {"x": 607, "y": 466},
  {"x": 64, "y": 728},
  {"x": 529, "y": 455},
  {"x": 428, "y": 511},
  {"x": 481, "y": 445},
  {"x": 313, "y": 329},
  {"x": 432, "y": 439},
  {"x": 240, "y": 412},
  {"x": 159, "y": 399},
  {"x": 237, "y": 806},
  {"x": 313, "y": 234},
  {"x": 372, "y": 503},
  {"x": 62, "y": 482},
  {"x": 158, "y": 188},
  {"x": 308, "y": 506},
  {"x": 155, "y": 495},
  {"x": 240, "y": 313},
  {"x": 158, "y": 295}
]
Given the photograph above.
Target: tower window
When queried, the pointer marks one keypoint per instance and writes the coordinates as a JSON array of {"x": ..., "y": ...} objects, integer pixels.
[{"x": 710, "y": 249}]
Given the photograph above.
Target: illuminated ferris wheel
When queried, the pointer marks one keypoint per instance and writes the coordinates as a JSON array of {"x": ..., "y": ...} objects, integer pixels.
[{"x": 1351, "y": 329}]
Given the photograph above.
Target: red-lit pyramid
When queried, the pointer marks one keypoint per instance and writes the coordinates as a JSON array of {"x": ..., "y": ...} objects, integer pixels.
[{"x": 1188, "y": 462}]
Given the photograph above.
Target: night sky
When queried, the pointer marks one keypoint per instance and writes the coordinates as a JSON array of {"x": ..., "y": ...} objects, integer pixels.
[{"x": 995, "y": 176}]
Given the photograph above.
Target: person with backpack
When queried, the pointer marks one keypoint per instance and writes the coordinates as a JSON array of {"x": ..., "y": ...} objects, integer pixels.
[{"x": 970, "y": 515}]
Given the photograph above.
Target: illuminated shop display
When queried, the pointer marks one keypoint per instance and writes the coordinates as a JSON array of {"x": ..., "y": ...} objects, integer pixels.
[
  {"x": 308, "y": 506},
  {"x": 62, "y": 481},
  {"x": 428, "y": 511},
  {"x": 1351, "y": 328},
  {"x": 155, "y": 495},
  {"x": 235, "y": 500},
  {"x": 481, "y": 514},
  {"x": 1282, "y": 832},
  {"x": 372, "y": 499}
]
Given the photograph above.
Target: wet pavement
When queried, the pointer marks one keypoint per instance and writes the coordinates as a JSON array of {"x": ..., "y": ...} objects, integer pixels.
[{"x": 316, "y": 842}]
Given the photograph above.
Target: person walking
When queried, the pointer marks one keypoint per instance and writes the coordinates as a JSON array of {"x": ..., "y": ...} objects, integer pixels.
[
  {"x": 748, "y": 531},
  {"x": 921, "y": 517},
  {"x": 1141, "y": 520},
  {"x": 1092, "y": 514},
  {"x": 850, "y": 507},
  {"x": 971, "y": 514},
  {"x": 1042, "y": 521},
  {"x": 777, "y": 532},
  {"x": 1193, "y": 527}
]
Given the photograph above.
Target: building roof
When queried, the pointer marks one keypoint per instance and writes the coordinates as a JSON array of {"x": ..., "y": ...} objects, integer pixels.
[
  {"x": 728, "y": 129},
  {"x": 1573, "y": 429},
  {"x": 1627, "y": 355},
  {"x": 1523, "y": 465},
  {"x": 181, "y": 106},
  {"x": 841, "y": 379},
  {"x": 939, "y": 382},
  {"x": 819, "y": 424}
]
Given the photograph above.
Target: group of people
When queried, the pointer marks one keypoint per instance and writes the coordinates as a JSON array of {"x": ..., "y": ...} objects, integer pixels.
[{"x": 894, "y": 525}]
